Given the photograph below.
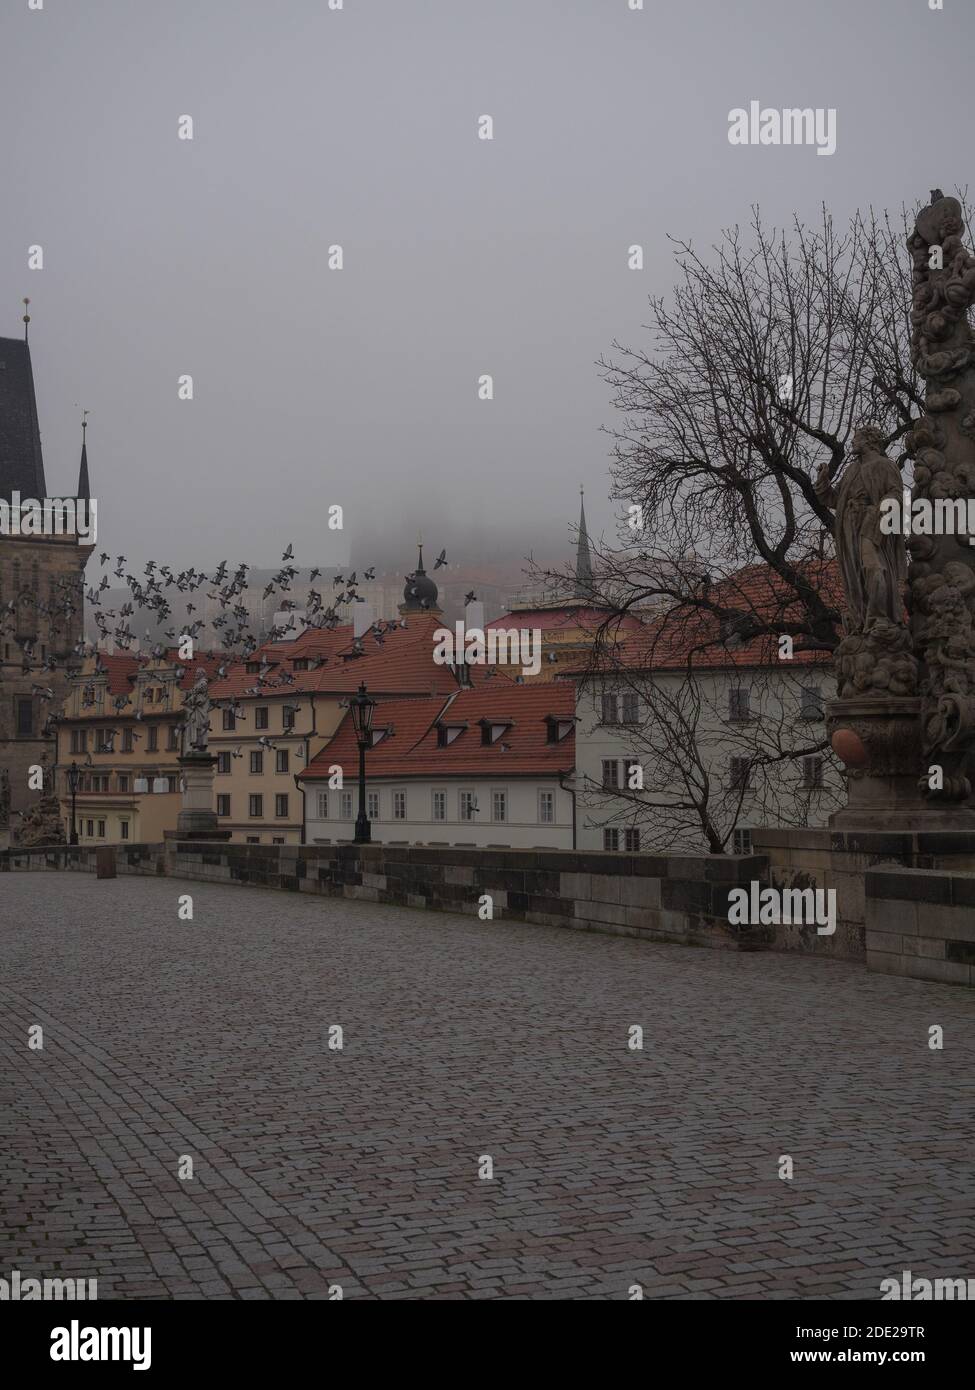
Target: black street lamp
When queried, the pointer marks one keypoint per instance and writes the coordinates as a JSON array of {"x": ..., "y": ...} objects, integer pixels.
[
  {"x": 74, "y": 775},
  {"x": 362, "y": 710}
]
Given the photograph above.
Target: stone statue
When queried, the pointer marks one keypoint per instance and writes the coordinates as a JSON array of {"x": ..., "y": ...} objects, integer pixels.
[
  {"x": 875, "y": 656},
  {"x": 941, "y": 594},
  {"x": 196, "y": 716},
  {"x": 873, "y": 565}
]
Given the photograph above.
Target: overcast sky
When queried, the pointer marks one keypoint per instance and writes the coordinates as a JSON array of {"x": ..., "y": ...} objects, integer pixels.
[{"x": 462, "y": 256}]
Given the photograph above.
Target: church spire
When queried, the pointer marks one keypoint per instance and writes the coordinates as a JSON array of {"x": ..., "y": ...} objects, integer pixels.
[
  {"x": 583, "y": 588},
  {"x": 84, "y": 487},
  {"x": 21, "y": 460}
]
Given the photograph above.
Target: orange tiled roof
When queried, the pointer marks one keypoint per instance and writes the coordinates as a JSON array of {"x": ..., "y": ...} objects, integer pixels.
[
  {"x": 693, "y": 636},
  {"x": 401, "y": 664},
  {"x": 412, "y": 751}
]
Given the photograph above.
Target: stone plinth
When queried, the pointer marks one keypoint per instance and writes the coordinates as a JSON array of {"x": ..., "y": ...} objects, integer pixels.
[
  {"x": 880, "y": 741},
  {"x": 197, "y": 814}
]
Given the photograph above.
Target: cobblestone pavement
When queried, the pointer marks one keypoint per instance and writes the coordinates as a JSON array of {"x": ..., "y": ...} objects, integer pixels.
[{"x": 315, "y": 1167}]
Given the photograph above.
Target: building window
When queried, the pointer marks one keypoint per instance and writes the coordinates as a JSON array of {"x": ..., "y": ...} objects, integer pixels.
[
  {"x": 101, "y": 830},
  {"x": 173, "y": 782},
  {"x": 277, "y": 839},
  {"x": 346, "y": 806},
  {"x": 123, "y": 783},
  {"x": 25, "y": 716},
  {"x": 812, "y": 702},
  {"x": 76, "y": 741},
  {"x": 439, "y": 805},
  {"x": 812, "y": 773},
  {"x": 546, "y": 808},
  {"x": 255, "y": 807},
  {"x": 740, "y": 774},
  {"x": 372, "y": 805},
  {"x": 468, "y": 806},
  {"x": 742, "y": 841},
  {"x": 399, "y": 805},
  {"x": 281, "y": 760},
  {"x": 253, "y": 839},
  {"x": 90, "y": 829},
  {"x": 223, "y": 763},
  {"x": 738, "y": 703},
  {"x": 631, "y": 840},
  {"x": 323, "y": 805},
  {"x": 611, "y": 839},
  {"x": 631, "y": 707},
  {"x": 123, "y": 829},
  {"x": 281, "y": 804},
  {"x": 126, "y": 740},
  {"x": 223, "y": 804},
  {"x": 257, "y": 762},
  {"x": 288, "y": 717},
  {"x": 261, "y": 717},
  {"x": 611, "y": 774},
  {"x": 172, "y": 743},
  {"x": 499, "y": 806},
  {"x": 152, "y": 738},
  {"x": 229, "y": 719},
  {"x": 610, "y": 713}
]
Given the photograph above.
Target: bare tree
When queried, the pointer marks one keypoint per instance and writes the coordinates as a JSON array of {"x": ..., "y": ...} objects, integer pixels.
[{"x": 760, "y": 364}]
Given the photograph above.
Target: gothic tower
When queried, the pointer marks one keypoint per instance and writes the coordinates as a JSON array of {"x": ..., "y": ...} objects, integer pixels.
[{"x": 41, "y": 594}]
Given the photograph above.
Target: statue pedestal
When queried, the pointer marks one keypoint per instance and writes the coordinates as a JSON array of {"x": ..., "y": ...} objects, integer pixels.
[
  {"x": 197, "y": 814},
  {"x": 879, "y": 738}
]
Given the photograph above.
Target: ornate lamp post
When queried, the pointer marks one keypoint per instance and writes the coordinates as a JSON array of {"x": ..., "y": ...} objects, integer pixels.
[
  {"x": 362, "y": 711},
  {"x": 74, "y": 775}
]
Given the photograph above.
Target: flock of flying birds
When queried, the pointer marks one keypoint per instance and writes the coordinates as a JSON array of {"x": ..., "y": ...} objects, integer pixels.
[{"x": 149, "y": 593}]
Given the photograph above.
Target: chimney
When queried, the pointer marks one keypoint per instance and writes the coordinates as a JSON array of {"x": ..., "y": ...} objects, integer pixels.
[{"x": 361, "y": 618}]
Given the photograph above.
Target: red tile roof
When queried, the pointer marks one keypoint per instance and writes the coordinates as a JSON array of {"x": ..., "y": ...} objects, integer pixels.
[
  {"x": 553, "y": 619},
  {"x": 412, "y": 751},
  {"x": 400, "y": 664},
  {"x": 693, "y": 636}
]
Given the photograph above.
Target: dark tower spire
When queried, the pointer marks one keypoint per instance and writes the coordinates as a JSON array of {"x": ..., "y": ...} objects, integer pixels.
[
  {"x": 84, "y": 487},
  {"x": 583, "y": 588},
  {"x": 21, "y": 461}
]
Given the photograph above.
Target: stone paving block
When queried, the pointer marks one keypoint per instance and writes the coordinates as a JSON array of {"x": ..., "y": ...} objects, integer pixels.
[{"x": 358, "y": 1168}]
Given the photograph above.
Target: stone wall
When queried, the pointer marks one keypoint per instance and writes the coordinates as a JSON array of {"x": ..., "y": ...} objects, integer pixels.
[
  {"x": 921, "y": 923},
  {"x": 129, "y": 859},
  {"x": 841, "y": 859},
  {"x": 916, "y": 919},
  {"x": 679, "y": 898}
]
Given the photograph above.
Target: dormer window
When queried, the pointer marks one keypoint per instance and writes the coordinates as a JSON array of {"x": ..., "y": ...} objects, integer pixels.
[
  {"x": 557, "y": 728},
  {"x": 300, "y": 663},
  {"x": 447, "y": 733},
  {"x": 493, "y": 729}
]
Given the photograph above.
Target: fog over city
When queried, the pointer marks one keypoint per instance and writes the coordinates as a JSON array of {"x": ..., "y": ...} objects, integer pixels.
[{"x": 314, "y": 127}]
